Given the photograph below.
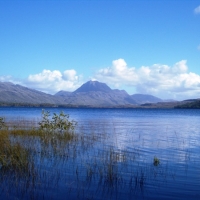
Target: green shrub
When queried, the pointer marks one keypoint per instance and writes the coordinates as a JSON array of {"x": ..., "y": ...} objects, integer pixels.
[{"x": 57, "y": 123}]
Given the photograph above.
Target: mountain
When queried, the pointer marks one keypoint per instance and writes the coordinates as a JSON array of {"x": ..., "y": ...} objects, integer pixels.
[
  {"x": 190, "y": 104},
  {"x": 90, "y": 94},
  {"x": 11, "y": 93},
  {"x": 145, "y": 98},
  {"x": 62, "y": 93},
  {"x": 93, "y": 86},
  {"x": 94, "y": 93}
]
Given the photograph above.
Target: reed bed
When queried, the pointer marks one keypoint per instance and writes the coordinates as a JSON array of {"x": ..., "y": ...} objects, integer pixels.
[{"x": 77, "y": 163}]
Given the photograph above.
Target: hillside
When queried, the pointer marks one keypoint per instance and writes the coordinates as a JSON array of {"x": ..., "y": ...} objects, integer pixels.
[
  {"x": 90, "y": 94},
  {"x": 11, "y": 93},
  {"x": 94, "y": 93},
  {"x": 145, "y": 98},
  {"x": 190, "y": 104}
]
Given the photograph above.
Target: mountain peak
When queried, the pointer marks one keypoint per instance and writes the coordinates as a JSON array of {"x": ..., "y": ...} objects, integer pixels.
[{"x": 93, "y": 86}]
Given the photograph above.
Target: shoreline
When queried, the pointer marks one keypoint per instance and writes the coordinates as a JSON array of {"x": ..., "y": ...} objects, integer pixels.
[{"x": 159, "y": 105}]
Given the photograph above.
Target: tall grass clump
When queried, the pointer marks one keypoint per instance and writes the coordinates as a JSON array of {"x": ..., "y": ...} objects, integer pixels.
[
  {"x": 15, "y": 142},
  {"x": 12, "y": 157},
  {"x": 57, "y": 127},
  {"x": 24, "y": 149},
  {"x": 2, "y": 123}
]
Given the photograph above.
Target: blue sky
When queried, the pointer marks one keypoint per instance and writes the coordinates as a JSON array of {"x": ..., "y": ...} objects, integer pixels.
[{"x": 142, "y": 46}]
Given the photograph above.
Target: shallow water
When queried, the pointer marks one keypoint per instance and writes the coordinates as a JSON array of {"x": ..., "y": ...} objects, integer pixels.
[{"x": 133, "y": 137}]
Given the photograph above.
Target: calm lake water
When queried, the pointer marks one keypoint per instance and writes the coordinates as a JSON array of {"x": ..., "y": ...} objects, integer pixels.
[{"x": 134, "y": 137}]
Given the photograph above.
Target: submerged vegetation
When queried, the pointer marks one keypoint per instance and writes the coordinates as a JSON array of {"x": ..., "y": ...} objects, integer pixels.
[{"x": 156, "y": 161}]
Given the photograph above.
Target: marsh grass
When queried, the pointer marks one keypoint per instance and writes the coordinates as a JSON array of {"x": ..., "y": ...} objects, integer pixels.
[
  {"x": 45, "y": 162},
  {"x": 12, "y": 157}
]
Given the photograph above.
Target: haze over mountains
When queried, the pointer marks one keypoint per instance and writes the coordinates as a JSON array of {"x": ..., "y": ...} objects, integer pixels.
[{"x": 91, "y": 94}]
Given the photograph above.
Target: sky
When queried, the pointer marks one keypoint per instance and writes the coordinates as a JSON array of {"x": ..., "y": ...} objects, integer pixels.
[{"x": 141, "y": 46}]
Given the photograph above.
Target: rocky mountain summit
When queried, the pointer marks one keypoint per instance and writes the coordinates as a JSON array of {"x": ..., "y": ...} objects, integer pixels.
[{"x": 94, "y": 86}]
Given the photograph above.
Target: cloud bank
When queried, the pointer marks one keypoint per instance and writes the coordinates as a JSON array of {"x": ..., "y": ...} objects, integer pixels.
[
  {"x": 160, "y": 80},
  {"x": 164, "y": 81},
  {"x": 54, "y": 81}
]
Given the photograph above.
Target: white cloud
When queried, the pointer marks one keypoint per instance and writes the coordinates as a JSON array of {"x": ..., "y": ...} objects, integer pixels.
[
  {"x": 198, "y": 47},
  {"x": 70, "y": 75},
  {"x": 164, "y": 81},
  {"x": 9, "y": 79},
  {"x": 5, "y": 78},
  {"x": 46, "y": 76},
  {"x": 197, "y": 10},
  {"x": 54, "y": 81},
  {"x": 119, "y": 72},
  {"x": 160, "y": 80}
]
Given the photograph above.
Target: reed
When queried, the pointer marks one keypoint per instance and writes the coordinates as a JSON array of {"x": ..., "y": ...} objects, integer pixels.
[
  {"x": 13, "y": 157},
  {"x": 58, "y": 155}
]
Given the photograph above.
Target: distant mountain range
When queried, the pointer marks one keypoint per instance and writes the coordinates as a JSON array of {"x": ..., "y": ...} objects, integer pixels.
[
  {"x": 90, "y": 94},
  {"x": 94, "y": 93}
]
